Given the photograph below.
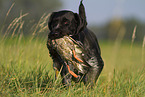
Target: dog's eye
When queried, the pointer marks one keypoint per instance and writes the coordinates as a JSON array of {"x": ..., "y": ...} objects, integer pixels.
[{"x": 66, "y": 23}]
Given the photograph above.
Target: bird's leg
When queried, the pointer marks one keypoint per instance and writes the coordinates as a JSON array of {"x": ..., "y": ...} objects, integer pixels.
[
  {"x": 71, "y": 72},
  {"x": 74, "y": 54}
]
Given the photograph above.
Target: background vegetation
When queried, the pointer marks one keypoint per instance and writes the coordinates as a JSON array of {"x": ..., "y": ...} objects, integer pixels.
[{"x": 26, "y": 68}]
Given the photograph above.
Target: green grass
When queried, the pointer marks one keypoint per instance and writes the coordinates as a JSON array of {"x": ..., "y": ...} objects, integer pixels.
[{"x": 26, "y": 70}]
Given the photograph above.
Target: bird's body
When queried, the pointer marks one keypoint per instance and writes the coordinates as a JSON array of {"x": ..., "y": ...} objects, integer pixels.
[{"x": 70, "y": 51}]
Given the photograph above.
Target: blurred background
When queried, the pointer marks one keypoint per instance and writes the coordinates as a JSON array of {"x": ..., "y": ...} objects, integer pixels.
[{"x": 107, "y": 18}]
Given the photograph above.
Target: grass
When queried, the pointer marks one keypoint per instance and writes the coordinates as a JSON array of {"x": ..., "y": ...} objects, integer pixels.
[{"x": 26, "y": 68}]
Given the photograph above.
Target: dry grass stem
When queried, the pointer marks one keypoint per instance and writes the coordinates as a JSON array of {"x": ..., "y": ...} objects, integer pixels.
[
  {"x": 133, "y": 38},
  {"x": 15, "y": 29},
  {"x": 143, "y": 45},
  {"x": 2, "y": 27},
  {"x": 41, "y": 23},
  {"x": 41, "y": 26},
  {"x": 133, "y": 35},
  {"x": 14, "y": 25},
  {"x": 10, "y": 9}
]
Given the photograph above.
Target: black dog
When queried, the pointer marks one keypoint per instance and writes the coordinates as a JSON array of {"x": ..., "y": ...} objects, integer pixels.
[{"x": 64, "y": 23}]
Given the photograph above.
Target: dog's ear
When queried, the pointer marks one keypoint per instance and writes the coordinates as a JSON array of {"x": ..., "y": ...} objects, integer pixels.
[
  {"x": 81, "y": 18},
  {"x": 50, "y": 20}
]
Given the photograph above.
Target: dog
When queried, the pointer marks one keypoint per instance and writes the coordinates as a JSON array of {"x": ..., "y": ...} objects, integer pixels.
[{"x": 68, "y": 23}]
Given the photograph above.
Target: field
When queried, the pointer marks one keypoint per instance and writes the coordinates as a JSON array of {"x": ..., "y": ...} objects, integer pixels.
[{"x": 26, "y": 68}]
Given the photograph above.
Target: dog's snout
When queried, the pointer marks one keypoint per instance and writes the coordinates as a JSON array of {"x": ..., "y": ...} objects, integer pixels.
[
  {"x": 53, "y": 35},
  {"x": 56, "y": 34}
]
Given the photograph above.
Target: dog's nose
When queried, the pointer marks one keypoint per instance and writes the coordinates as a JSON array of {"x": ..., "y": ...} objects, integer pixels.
[{"x": 53, "y": 35}]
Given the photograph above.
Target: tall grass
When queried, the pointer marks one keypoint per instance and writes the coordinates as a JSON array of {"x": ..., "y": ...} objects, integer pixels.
[
  {"x": 133, "y": 38},
  {"x": 143, "y": 46},
  {"x": 26, "y": 68}
]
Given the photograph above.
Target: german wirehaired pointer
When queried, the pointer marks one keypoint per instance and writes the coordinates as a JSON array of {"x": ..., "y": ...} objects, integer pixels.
[{"x": 73, "y": 47}]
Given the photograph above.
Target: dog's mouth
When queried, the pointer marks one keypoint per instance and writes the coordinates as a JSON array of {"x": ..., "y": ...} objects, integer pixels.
[
  {"x": 57, "y": 35},
  {"x": 54, "y": 35}
]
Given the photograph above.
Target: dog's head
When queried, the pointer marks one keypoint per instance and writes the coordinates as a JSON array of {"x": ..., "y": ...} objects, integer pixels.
[{"x": 65, "y": 22}]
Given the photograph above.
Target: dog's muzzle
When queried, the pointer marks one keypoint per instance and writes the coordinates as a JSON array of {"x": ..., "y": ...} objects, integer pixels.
[{"x": 54, "y": 35}]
